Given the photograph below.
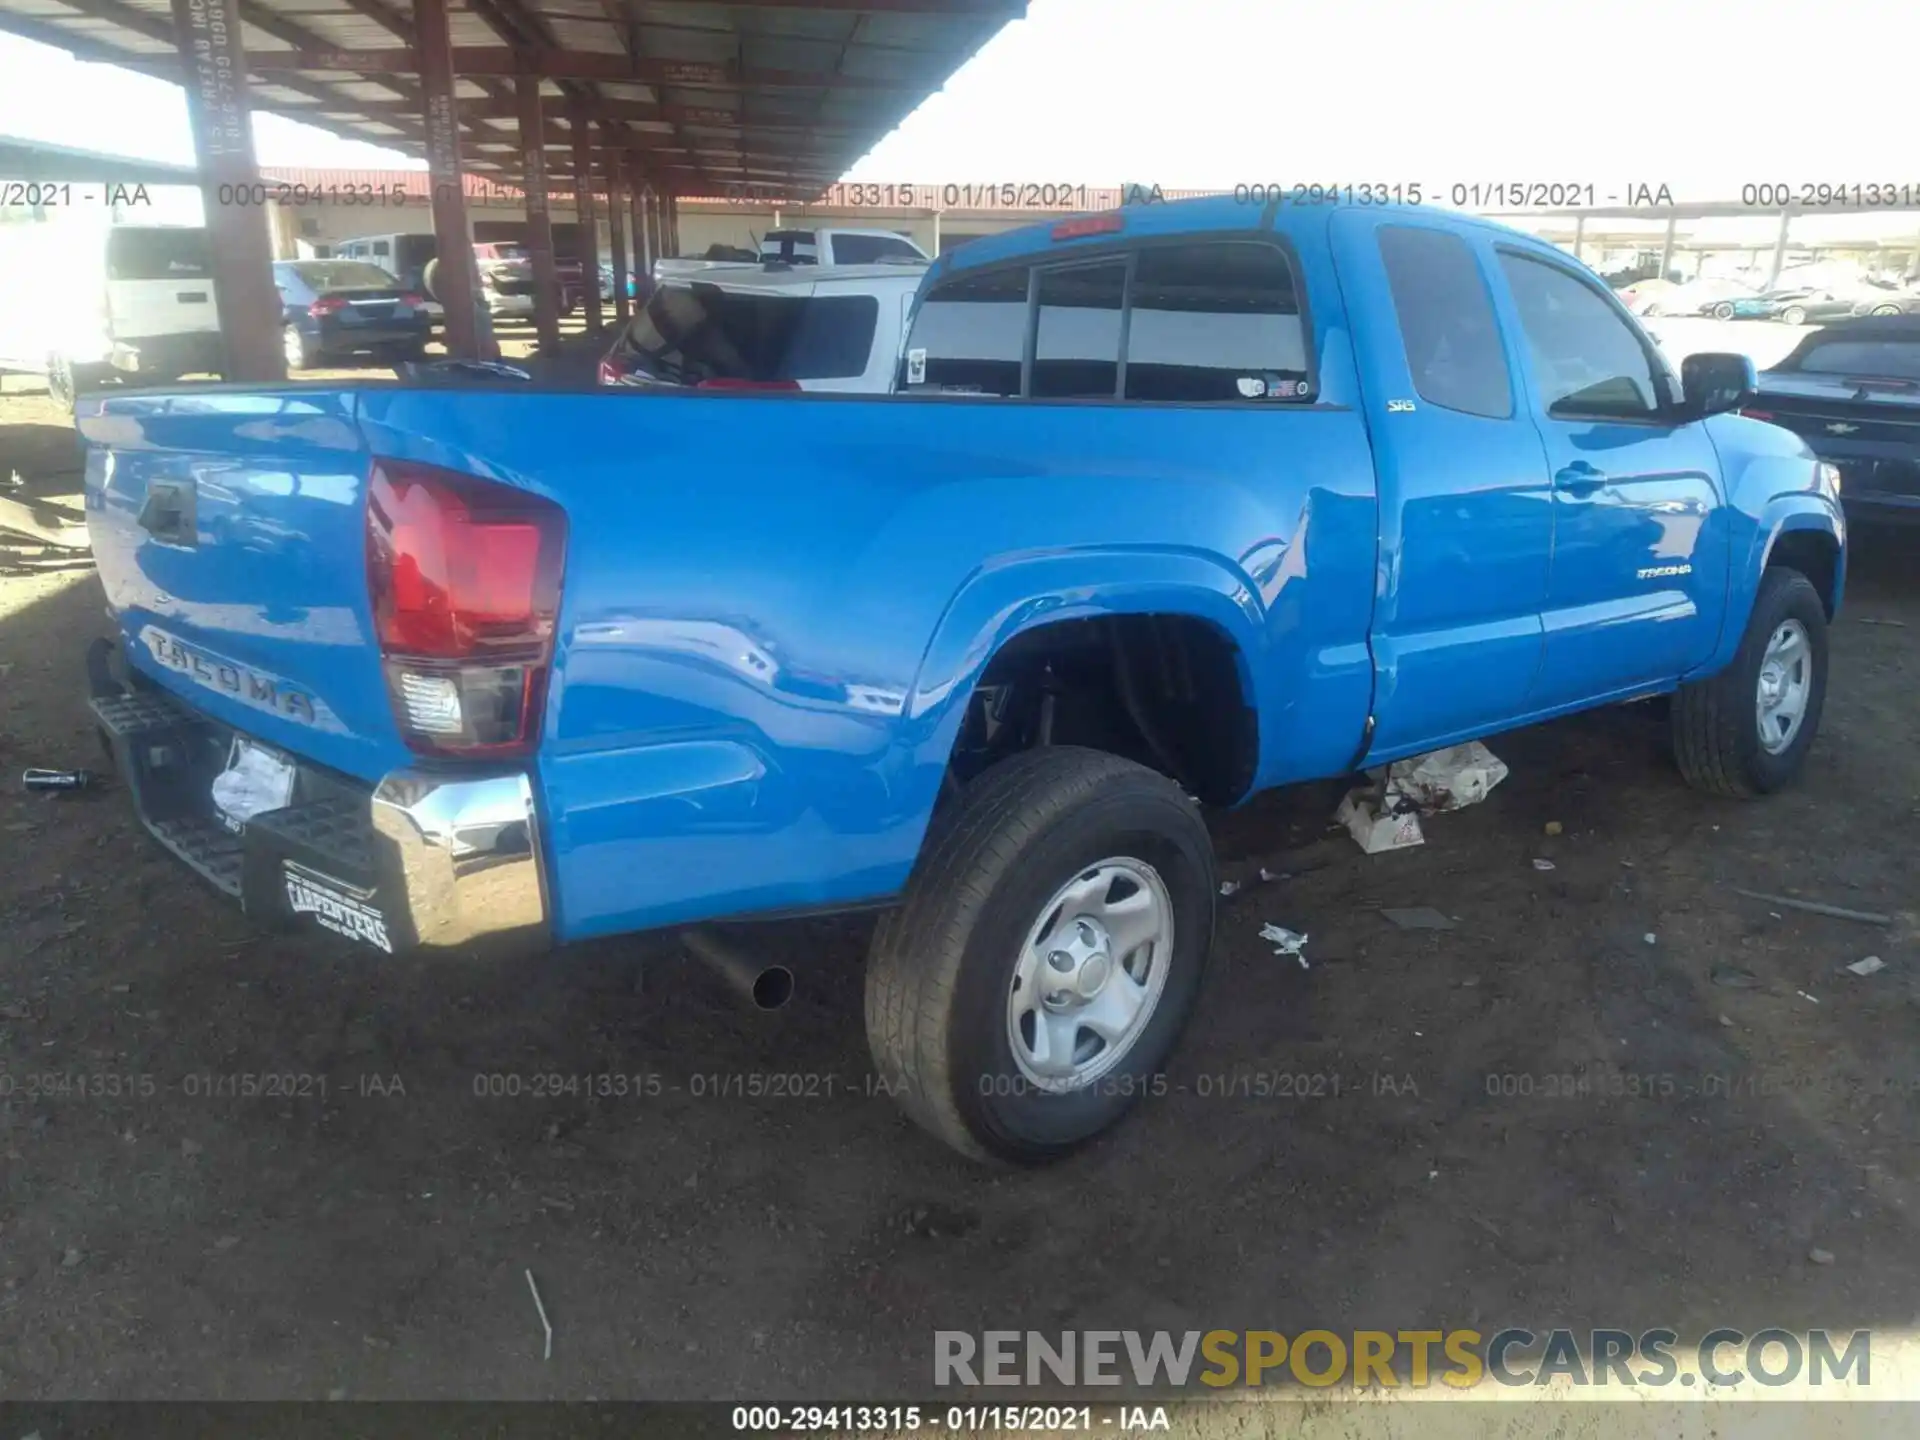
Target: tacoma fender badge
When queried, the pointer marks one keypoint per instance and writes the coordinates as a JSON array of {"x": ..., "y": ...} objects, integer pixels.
[
  {"x": 1656, "y": 572},
  {"x": 1399, "y": 407}
]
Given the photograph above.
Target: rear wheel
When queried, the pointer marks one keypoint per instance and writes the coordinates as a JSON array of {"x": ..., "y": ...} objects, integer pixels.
[
  {"x": 67, "y": 381},
  {"x": 1886, "y": 310},
  {"x": 1723, "y": 311},
  {"x": 298, "y": 350},
  {"x": 1794, "y": 315},
  {"x": 1047, "y": 954},
  {"x": 1746, "y": 731}
]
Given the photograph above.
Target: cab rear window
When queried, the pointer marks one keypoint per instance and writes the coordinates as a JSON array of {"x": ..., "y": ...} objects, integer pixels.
[
  {"x": 690, "y": 333},
  {"x": 1878, "y": 359},
  {"x": 152, "y": 253}
]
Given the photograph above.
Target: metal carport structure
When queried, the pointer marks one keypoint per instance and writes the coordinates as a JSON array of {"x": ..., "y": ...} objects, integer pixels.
[{"x": 625, "y": 104}]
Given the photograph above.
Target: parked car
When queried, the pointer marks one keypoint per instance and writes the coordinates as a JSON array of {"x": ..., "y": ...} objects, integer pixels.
[
  {"x": 1178, "y": 505},
  {"x": 807, "y": 329},
  {"x": 1851, "y": 391},
  {"x": 835, "y": 247},
  {"x": 91, "y": 303},
  {"x": 1640, "y": 294},
  {"x": 333, "y": 309},
  {"x": 405, "y": 256},
  {"x": 1695, "y": 297},
  {"x": 1887, "y": 301},
  {"x": 1817, "y": 306}
]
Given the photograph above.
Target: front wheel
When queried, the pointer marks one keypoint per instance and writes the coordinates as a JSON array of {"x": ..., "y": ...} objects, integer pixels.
[
  {"x": 1794, "y": 315},
  {"x": 1745, "y": 732},
  {"x": 1046, "y": 955},
  {"x": 299, "y": 351},
  {"x": 1723, "y": 311},
  {"x": 1886, "y": 310}
]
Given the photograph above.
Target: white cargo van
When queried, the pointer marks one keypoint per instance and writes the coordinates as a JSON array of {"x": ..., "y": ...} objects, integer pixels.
[{"x": 91, "y": 301}]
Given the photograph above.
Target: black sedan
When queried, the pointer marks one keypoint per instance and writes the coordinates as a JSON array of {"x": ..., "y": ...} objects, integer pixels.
[
  {"x": 331, "y": 309},
  {"x": 1852, "y": 391}
]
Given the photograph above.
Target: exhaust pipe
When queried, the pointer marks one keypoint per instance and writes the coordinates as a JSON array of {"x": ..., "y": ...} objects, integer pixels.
[{"x": 767, "y": 987}]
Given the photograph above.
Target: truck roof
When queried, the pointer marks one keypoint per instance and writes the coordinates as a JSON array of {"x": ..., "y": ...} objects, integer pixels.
[{"x": 1192, "y": 217}]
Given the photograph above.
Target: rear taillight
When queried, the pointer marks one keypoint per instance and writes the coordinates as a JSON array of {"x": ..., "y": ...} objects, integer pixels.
[
  {"x": 465, "y": 578},
  {"x": 326, "y": 305},
  {"x": 610, "y": 373},
  {"x": 1757, "y": 414},
  {"x": 724, "y": 382},
  {"x": 413, "y": 302}
]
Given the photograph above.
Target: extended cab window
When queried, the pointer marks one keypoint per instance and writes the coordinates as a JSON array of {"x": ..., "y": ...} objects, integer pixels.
[
  {"x": 1076, "y": 349},
  {"x": 1214, "y": 321},
  {"x": 1585, "y": 359},
  {"x": 970, "y": 334},
  {"x": 1447, "y": 325}
]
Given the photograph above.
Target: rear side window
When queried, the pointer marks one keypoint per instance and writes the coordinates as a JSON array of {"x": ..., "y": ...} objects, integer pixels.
[
  {"x": 687, "y": 334},
  {"x": 342, "y": 275},
  {"x": 869, "y": 249},
  {"x": 380, "y": 247},
  {"x": 1447, "y": 323},
  {"x": 1584, "y": 358},
  {"x": 1868, "y": 359},
  {"x": 157, "y": 254},
  {"x": 1214, "y": 322},
  {"x": 970, "y": 334},
  {"x": 1076, "y": 349}
]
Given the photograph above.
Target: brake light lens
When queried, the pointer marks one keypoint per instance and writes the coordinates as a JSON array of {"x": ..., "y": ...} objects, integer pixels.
[
  {"x": 465, "y": 580},
  {"x": 326, "y": 305},
  {"x": 411, "y": 301},
  {"x": 726, "y": 382},
  {"x": 610, "y": 373},
  {"x": 1080, "y": 225},
  {"x": 1752, "y": 414}
]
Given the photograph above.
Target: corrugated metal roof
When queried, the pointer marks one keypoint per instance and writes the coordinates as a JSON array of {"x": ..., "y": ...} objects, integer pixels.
[{"x": 702, "y": 95}]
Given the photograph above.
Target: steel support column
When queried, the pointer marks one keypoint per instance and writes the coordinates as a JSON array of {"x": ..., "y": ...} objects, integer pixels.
[
  {"x": 670, "y": 241},
  {"x": 1666, "y": 250},
  {"x": 1579, "y": 234},
  {"x": 617, "y": 234},
  {"x": 637, "y": 214},
  {"x": 1779, "y": 250},
  {"x": 207, "y": 35},
  {"x": 546, "y": 283},
  {"x": 454, "y": 276},
  {"x": 587, "y": 225}
]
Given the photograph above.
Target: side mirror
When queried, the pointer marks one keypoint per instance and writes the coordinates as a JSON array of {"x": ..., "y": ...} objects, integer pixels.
[{"x": 1712, "y": 382}]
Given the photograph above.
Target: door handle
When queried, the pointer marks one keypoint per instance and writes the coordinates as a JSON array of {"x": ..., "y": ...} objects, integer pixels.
[{"x": 1579, "y": 478}]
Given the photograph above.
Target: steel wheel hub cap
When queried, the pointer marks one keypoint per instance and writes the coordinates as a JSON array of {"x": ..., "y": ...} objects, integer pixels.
[
  {"x": 1090, "y": 975},
  {"x": 1786, "y": 684}
]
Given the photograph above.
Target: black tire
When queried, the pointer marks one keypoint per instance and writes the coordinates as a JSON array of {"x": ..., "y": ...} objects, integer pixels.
[
  {"x": 1723, "y": 310},
  {"x": 67, "y": 382},
  {"x": 1716, "y": 730},
  {"x": 941, "y": 969},
  {"x": 297, "y": 349},
  {"x": 1794, "y": 315}
]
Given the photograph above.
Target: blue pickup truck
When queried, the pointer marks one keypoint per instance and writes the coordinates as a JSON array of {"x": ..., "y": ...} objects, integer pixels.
[{"x": 1173, "y": 504}]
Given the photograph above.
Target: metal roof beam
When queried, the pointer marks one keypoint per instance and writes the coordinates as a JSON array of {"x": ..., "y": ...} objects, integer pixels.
[
  {"x": 478, "y": 60},
  {"x": 1002, "y": 10}
]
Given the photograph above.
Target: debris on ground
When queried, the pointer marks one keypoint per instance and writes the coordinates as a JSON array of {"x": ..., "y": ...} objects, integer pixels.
[
  {"x": 1554, "y": 827},
  {"x": 1542, "y": 865},
  {"x": 545, "y": 1324},
  {"x": 1734, "y": 978},
  {"x": 1651, "y": 938},
  {"x": 1873, "y": 964},
  {"x": 50, "y": 780},
  {"x": 1286, "y": 942},
  {"x": 1418, "y": 917},
  {"x": 1875, "y": 620},
  {"x": 1814, "y": 907},
  {"x": 1385, "y": 813},
  {"x": 1819, "y": 1256},
  {"x": 1229, "y": 888},
  {"x": 1806, "y": 997}
]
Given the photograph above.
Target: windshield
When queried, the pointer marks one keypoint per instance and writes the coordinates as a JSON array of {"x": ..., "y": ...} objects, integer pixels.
[
  {"x": 342, "y": 275},
  {"x": 1887, "y": 359},
  {"x": 690, "y": 333}
]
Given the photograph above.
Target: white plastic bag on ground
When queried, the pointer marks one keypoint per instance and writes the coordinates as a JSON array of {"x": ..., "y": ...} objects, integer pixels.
[
  {"x": 1449, "y": 779},
  {"x": 1373, "y": 824}
]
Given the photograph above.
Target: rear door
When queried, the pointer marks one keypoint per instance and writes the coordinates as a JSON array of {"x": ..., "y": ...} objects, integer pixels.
[
  {"x": 159, "y": 281},
  {"x": 1639, "y": 575},
  {"x": 1466, "y": 519}
]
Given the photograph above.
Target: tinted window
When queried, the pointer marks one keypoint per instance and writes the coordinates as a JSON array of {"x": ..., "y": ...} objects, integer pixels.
[
  {"x": 687, "y": 334},
  {"x": 973, "y": 330},
  {"x": 1076, "y": 348},
  {"x": 866, "y": 249},
  {"x": 1887, "y": 359},
  {"x": 1214, "y": 322},
  {"x": 156, "y": 254},
  {"x": 1446, "y": 321},
  {"x": 380, "y": 247},
  {"x": 342, "y": 275},
  {"x": 1585, "y": 361}
]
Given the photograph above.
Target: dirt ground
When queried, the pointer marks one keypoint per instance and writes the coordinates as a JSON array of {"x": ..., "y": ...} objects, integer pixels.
[{"x": 1745, "y": 1101}]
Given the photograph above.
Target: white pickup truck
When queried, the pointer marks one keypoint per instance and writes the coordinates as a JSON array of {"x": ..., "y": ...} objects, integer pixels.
[{"x": 808, "y": 247}]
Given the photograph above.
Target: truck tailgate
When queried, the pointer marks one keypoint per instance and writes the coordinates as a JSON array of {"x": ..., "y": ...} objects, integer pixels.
[{"x": 229, "y": 530}]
